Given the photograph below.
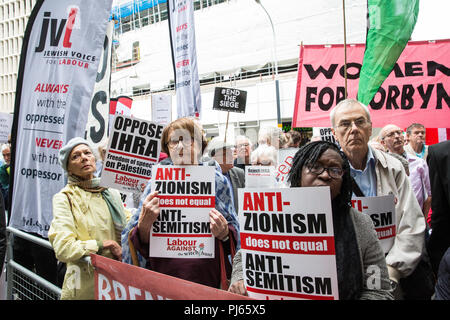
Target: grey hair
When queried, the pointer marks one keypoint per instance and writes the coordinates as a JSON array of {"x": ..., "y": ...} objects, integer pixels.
[
  {"x": 412, "y": 126},
  {"x": 347, "y": 102},
  {"x": 264, "y": 150}
]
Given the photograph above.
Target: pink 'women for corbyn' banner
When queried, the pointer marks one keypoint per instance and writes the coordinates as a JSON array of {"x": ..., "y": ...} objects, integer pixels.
[{"x": 417, "y": 90}]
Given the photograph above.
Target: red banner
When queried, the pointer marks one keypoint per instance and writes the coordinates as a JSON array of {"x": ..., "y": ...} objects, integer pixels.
[
  {"x": 417, "y": 90},
  {"x": 115, "y": 280}
]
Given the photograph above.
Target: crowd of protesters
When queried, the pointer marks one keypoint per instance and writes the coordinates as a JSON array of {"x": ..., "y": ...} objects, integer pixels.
[{"x": 88, "y": 218}]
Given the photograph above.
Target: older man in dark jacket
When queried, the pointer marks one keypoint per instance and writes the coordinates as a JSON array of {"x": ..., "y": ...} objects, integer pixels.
[{"x": 222, "y": 152}]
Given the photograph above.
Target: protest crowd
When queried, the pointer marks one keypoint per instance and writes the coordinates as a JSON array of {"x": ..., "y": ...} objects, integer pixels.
[
  {"x": 89, "y": 218},
  {"x": 166, "y": 210}
]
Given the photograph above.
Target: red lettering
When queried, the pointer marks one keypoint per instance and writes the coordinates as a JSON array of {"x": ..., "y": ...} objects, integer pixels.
[
  {"x": 182, "y": 27},
  {"x": 182, "y": 63},
  {"x": 51, "y": 144}
]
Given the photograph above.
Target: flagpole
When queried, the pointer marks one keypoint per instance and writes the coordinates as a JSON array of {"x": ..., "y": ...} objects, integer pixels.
[{"x": 345, "y": 50}]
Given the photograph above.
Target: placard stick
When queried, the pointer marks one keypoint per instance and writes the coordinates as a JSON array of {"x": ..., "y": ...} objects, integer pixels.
[
  {"x": 345, "y": 50},
  {"x": 226, "y": 127}
]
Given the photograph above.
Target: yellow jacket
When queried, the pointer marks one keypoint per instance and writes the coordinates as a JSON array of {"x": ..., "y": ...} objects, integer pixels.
[{"x": 78, "y": 225}]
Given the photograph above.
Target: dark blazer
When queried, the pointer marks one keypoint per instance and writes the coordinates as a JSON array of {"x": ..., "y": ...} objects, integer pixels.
[
  {"x": 237, "y": 177},
  {"x": 443, "y": 279},
  {"x": 439, "y": 165}
]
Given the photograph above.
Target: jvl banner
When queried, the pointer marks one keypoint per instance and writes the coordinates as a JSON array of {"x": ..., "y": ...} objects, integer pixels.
[
  {"x": 186, "y": 196},
  {"x": 58, "y": 66},
  {"x": 287, "y": 243},
  {"x": 133, "y": 149},
  {"x": 98, "y": 118},
  {"x": 115, "y": 280},
  {"x": 418, "y": 88},
  {"x": 184, "y": 56},
  {"x": 382, "y": 212}
]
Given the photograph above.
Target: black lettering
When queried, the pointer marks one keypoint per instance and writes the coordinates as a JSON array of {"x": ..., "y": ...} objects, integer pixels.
[
  {"x": 340, "y": 94},
  {"x": 323, "y": 285},
  {"x": 55, "y": 36},
  {"x": 393, "y": 93},
  {"x": 300, "y": 226},
  {"x": 309, "y": 97},
  {"x": 313, "y": 74},
  {"x": 307, "y": 286},
  {"x": 248, "y": 219},
  {"x": 96, "y": 136},
  {"x": 432, "y": 66},
  {"x": 411, "y": 71},
  {"x": 377, "y": 105},
  {"x": 386, "y": 218},
  {"x": 441, "y": 94},
  {"x": 407, "y": 101},
  {"x": 349, "y": 75},
  {"x": 44, "y": 31},
  {"x": 317, "y": 225},
  {"x": 101, "y": 74},
  {"x": 397, "y": 71},
  {"x": 138, "y": 145},
  {"x": 425, "y": 95},
  {"x": 323, "y": 105}
]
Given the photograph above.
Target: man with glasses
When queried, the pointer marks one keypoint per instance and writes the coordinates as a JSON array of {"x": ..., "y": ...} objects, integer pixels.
[
  {"x": 393, "y": 140},
  {"x": 375, "y": 174},
  {"x": 243, "y": 152}
]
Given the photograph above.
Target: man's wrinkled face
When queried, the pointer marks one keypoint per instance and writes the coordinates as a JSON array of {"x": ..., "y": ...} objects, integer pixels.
[
  {"x": 352, "y": 129},
  {"x": 417, "y": 135},
  {"x": 393, "y": 139},
  {"x": 243, "y": 148}
]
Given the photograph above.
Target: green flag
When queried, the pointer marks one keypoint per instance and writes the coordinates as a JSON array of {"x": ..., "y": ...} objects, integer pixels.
[{"x": 391, "y": 23}]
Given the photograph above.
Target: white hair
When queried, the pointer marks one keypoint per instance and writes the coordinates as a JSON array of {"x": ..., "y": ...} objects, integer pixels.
[
  {"x": 345, "y": 103},
  {"x": 264, "y": 150}
]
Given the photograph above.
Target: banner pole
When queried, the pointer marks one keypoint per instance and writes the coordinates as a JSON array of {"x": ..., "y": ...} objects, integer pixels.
[{"x": 345, "y": 50}]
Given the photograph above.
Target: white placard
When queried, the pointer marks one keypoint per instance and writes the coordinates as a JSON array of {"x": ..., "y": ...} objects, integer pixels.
[
  {"x": 382, "y": 212},
  {"x": 325, "y": 134},
  {"x": 5, "y": 126},
  {"x": 187, "y": 195},
  {"x": 260, "y": 177},
  {"x": 285, "y": 158},
  {"x": 162, "y": 108},
  {"x": 133, "y": 148},
  {"x": 287, "y": 243}
]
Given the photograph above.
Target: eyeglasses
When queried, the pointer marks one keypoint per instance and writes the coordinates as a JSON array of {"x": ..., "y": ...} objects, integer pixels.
[
  {"x": 347, "y": 124},
  {"x": 244, "y": 145},
  {"x": 186, "y": 143},
  {"x": 333, "y": 172},
  {"x": 393, "y": 133}
]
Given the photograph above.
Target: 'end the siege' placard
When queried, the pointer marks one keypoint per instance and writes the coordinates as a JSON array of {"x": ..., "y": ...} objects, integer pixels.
[
  {"x": 186, "y": 196},
  {"x": 287, "y": 243},
  {"x": 382, "y": 212},
  {"x": 133, "y": 149},
  {"x": 229, "y": 99}
]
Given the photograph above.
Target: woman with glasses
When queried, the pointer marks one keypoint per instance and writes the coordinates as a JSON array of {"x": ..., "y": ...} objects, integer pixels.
[
  {"x": 184, "y": 141},
  {"x": 361, "y": 266}
]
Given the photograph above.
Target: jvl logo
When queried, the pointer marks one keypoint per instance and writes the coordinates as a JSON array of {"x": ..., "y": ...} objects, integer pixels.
[{"x": 57, "y": 30}]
